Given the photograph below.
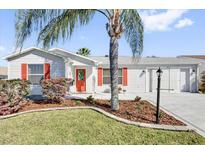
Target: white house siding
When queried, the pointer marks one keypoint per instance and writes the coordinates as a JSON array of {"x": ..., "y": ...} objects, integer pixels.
[
  {"x": 144, "y": 79},
  {"x": 57, "y": 65},
  {"x": 136, "y": 80}
]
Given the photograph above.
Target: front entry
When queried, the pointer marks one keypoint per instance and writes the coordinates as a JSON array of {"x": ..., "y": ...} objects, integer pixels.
[{"x": 80, "y": 80}]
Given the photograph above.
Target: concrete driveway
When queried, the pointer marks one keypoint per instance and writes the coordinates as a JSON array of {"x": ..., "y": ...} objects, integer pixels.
[{"x": 189, "y": 107}]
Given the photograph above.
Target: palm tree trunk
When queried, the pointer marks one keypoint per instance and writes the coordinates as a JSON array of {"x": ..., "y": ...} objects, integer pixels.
[{"x": 113, "y": 54}]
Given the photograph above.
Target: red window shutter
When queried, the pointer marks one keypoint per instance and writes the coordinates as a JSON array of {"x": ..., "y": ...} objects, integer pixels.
[
  {"x": 24, "y": 71},
  {"x": 47, "y": 71},
  {"x": 125, "y": 78},
  {"x": 99, "y": 76}
]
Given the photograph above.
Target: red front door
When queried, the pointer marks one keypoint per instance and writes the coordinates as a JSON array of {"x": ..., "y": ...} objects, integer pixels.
[{"x": 80, "y": 80}]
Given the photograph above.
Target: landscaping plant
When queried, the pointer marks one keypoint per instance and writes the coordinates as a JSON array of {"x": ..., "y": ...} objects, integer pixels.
[
  {"x": 90, "y": 99},
  {"x": 13, "y": 95},
  {"x": 55, "y": 89},
  {"x": 78, "y": 102},
  {"x": 202, "y": 84}
]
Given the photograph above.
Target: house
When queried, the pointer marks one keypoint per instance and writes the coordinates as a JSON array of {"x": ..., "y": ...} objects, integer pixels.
[
  {"x": 3, "y": 73},
  {"x": 91, "y": 74}
]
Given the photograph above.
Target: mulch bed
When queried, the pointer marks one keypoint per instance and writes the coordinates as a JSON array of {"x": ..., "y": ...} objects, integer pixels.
[{"x": 139, "y": 111}]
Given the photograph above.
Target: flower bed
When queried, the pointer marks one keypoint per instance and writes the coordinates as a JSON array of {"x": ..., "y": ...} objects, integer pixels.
[{"x": 139, "y": 111}]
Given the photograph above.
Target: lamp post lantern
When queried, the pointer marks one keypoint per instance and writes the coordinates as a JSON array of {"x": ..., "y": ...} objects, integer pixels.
[{"x": 159, "y": 73}]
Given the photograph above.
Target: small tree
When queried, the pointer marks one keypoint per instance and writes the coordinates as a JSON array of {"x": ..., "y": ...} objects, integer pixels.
[
  {"x": 84, "y": 52},
  {"x": 202, "y": 84}
]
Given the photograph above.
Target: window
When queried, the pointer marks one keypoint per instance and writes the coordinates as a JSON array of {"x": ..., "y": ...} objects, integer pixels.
[
  {"x": 35, "y": 73},
  {"x": 106, "y": 76}
]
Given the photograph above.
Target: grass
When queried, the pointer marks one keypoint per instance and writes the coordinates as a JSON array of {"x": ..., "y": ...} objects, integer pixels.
[{"x": 84, "y": 126}]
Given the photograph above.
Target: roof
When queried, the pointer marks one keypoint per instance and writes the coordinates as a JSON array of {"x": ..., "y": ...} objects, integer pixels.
[
  {"x": 67, "y": 53},
  {"x": 28, "y": 50},
  {"x": 125, "y": 60},
  {"x": 54, "y": 51},
  {"x": 194, "y": 56},
  {"x": 3, "y": 71},
  {"x": 149, "y": 60}
]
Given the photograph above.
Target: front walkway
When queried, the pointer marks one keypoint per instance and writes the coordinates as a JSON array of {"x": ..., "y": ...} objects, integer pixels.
[{"x": 190, "y": 107}]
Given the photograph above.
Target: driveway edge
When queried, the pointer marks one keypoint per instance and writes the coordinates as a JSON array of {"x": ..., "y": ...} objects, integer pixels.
[
  {"x": 125, "y": 121},
  {"x": 190, "y": 125}
]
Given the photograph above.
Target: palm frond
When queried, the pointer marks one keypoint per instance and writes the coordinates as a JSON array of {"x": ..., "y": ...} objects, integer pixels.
[
  {"x": 52, "y": 24},
  {"x": 133, "y": 30},
  {"x": 63, "y": 25},
  {"x": 28, "y": 21}
]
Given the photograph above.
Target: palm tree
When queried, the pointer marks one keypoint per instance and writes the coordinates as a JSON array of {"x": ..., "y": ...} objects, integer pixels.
[
  {"x": 55, "y": 24},
  {"x": 83, "y": 51}
]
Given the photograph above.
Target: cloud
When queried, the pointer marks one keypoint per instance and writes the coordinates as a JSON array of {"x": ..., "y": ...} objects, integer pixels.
[
  {"x": 2, "y": 48},
  {"x": 82, "y": 37},
  {"x": 184, "y": 23},
  {"x": 157, "y": 20}
]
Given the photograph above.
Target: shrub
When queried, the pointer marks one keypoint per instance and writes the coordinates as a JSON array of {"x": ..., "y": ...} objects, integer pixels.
[
  {"x": 12, "y": 95},
  {"x": 78, "y": 102},
  {"x": 90, "y": 99},
  {"x": 119, "y": 89},
  {"x": 137, "y": 99},
  {"x": 55, "y": 89},
  {"x": 202, "y": 83}
]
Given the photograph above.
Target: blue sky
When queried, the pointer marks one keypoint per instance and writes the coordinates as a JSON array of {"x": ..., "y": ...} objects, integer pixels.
[{"x": 167, "y": 33}]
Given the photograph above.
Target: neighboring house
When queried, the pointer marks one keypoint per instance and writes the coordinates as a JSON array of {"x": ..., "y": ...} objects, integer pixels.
[
  {"x": 3, "y": 73},
  {"x": 91, "y": 74}
]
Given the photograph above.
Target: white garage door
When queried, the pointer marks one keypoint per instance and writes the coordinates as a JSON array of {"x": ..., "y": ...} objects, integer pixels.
[
  {"x": 184, "y": 80},
  {"x": 164, "y": 80},
  {"x": 174, "y": 77},
  {"x": 136, "y": 80}
]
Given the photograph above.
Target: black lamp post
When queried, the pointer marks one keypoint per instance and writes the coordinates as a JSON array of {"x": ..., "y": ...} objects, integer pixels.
[{"x": 159, "y": 73}]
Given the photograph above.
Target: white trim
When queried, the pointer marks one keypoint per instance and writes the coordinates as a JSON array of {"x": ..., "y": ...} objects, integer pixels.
[
  {"x": 55, "y": 49},
  {"x": 28, "y": 50}
]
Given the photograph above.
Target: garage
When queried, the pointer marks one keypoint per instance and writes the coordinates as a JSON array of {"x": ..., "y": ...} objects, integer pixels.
[
  {"x": 137, "y": 80},
  {"x": 170, "y": 80},
  {"x": 165, "y": 84},
  {"x": 184, "y": 80}
]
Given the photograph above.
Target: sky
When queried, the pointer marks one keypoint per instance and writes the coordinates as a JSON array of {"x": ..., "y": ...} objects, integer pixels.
[{"x": 168, "y": 33}]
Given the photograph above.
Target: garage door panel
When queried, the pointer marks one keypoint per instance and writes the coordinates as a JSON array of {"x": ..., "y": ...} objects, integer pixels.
[
  {"x": 184, "y": 80},
  {"x": 174, "y": 80},
  {"x": 136, "y": 80},
  {"x": 164, "y": 80}
]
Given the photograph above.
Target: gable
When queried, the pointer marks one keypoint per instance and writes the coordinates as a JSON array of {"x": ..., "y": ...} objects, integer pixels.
[
  {"x": 75, "y": 58},
  {"x": 36, "y": 52}
]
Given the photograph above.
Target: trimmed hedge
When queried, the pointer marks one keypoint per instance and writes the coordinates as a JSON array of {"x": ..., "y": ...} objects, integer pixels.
[
  {"x": 55, "y": 89},
  {"x": 12, "y": 95}
]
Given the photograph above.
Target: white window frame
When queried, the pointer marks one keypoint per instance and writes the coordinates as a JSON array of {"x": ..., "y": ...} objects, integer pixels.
[
  {"x": 34, "y": 74},
  {"x": 109, "y": 76}
]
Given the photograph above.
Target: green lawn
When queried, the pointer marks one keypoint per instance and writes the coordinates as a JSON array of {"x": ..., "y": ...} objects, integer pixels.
[{"x": 84, "y": 126}]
